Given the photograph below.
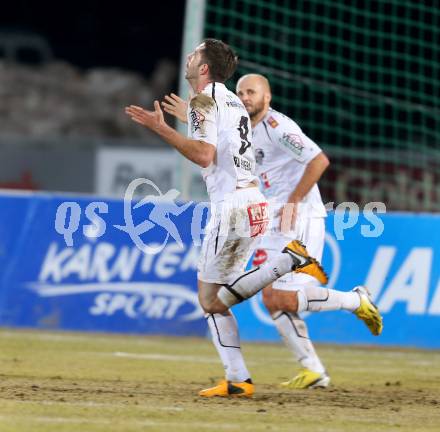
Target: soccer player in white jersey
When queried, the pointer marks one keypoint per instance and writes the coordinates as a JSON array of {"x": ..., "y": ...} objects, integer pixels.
[
  {"x": 289, "y": 165},
  {"x": 219, "y": 142}
]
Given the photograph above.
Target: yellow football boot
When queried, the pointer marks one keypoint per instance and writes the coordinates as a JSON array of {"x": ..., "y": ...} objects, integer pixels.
[
  {"x": 368, "y": 311},
  {"x": 307, "y": 265},
  {"x": 307, "y": 379},
  {"x": 229, "y": 389}
]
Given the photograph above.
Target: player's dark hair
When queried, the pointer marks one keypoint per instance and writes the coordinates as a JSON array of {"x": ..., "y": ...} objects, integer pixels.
[{"x": 220, "y": 58}]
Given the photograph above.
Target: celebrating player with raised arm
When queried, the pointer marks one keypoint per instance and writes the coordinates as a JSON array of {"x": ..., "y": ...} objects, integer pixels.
[
  {"x": 219, "y": 141},
  {"x": 289, "y": 165}
]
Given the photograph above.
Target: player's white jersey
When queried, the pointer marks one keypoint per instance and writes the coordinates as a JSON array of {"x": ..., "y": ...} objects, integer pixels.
[
  {"x": 218, "y": 117},
  {"x": 282, "y": 153}
]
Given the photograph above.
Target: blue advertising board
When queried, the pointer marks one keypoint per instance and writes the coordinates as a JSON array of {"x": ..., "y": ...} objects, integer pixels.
[
  {"x": 102, "y": 281},
  {"x": 74, "y": 263},
  {"x": 401, "y": 268}
]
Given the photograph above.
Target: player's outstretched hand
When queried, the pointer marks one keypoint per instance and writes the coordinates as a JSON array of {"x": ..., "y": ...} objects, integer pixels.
[
  {"x": 175, "y": 106},
  {"x": 151, "y": 119}
]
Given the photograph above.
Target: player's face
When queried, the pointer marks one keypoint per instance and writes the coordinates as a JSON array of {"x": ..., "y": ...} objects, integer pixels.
[
  {"x": 252, "y": 95},
  {"x": 193, "y": 61}
]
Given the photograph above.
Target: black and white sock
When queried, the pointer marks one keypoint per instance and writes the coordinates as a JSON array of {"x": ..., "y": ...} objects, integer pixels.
[
  {"x": 224, "y": 331},
  {"x": 249, "y": 283},
  {"x": 294, "y": 332},
  {"x": 316, "y": 299}
]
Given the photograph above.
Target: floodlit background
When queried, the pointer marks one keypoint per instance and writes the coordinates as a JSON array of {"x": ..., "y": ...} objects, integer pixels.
[{"x": 360, "y": 78}]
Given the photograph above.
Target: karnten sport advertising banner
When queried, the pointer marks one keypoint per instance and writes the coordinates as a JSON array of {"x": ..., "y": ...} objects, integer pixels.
[{"x": 78, "y": 263}]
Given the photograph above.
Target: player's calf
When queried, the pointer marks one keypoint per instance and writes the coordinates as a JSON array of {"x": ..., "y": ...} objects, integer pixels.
[
  {"x": 269, "y": 299},
  {"x": 279, "y": 300}
]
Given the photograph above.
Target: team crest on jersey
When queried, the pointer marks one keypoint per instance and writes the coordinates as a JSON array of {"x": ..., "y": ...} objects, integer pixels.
[
  {"x": 197, "y": 119},
  {"x": 292, "y": 142},
  {"x": 272, "y": 122},
  {"x": 259, "y": 156}
]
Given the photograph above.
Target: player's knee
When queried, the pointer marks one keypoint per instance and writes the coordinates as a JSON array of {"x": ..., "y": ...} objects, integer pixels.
[
  {"x": 205, "y": 303},
  {"x": 211, "y": 304},
  {"x": 208, "y": 298}
]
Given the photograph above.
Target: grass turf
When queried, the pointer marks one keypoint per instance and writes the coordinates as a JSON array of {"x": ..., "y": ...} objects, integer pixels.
[{"x": 96, "y": 382}]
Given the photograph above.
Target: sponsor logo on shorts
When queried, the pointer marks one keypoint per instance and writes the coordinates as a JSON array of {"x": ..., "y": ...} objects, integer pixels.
[
  {"x": 260, "y": 257},
  {"x": 258, "y": 218}
]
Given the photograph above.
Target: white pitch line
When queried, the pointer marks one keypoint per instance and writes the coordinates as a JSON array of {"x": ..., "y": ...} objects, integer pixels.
[
  {"x": 166, "y": 357},
  {"x": 93, "y": 404},
  {"x": 191, "y": 359},
  {"x": 75, "y": 338},
  {"x": 81, "y": 420}
]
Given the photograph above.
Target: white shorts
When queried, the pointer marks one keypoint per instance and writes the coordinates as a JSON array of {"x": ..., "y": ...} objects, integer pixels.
[
  {"x": 311, "y": 232},
  {"x": 233, "y": 234}
]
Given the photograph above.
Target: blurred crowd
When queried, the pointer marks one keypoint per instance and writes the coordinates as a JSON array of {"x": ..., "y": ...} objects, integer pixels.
[{"x": 56, "y": 99}]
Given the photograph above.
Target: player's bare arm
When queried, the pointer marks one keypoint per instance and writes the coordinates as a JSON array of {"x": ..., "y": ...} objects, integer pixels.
[
  {"x": 312, "y": 174},
  {"x": 197, "y": 151},
  {"x": 175, "y": 106}
]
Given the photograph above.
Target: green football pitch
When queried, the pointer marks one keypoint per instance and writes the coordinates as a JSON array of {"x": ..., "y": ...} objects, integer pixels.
[{"x": 98, "y": 382}]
